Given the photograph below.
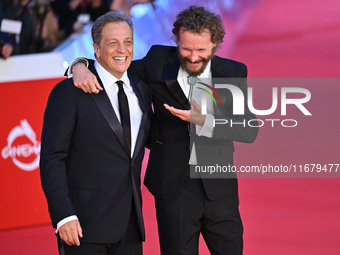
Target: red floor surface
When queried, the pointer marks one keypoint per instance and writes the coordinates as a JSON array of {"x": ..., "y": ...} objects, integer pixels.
[
  {"x": 292, "y": 216},
  {"x": 281, "y": 216}
]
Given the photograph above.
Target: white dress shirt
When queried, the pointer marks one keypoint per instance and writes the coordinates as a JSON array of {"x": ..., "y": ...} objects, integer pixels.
[{"x": 197, "y": 94}]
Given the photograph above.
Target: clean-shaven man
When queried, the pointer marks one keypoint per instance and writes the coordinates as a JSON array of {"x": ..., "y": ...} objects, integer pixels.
[{"x": 92, "y": 148}]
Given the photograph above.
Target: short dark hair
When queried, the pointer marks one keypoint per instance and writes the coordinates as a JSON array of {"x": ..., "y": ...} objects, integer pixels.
[
  {"x": 115, "y": 17},
  {"x": 196, "y": 19}
]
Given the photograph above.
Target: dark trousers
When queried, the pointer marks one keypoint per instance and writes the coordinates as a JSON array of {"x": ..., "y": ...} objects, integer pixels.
[
  {"x": 130, "y": 244},
  {"x": 181, "y": 221}
]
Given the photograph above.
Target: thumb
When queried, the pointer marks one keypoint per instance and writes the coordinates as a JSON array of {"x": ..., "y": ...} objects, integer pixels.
[
  {"x": 79, "y": 230},
  {"x": 167, "y": 106},
  {"x": 96, "y": 83},
  {"x": 195, "y": 105}
]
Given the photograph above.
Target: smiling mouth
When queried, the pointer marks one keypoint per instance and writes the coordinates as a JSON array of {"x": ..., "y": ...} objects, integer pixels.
[
  {"x": 120, "y": 59},
  {"x": 194, "y": 64}
]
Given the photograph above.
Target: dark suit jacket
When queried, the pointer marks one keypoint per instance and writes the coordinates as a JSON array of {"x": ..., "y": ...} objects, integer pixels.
[
  {"x": 85, "y": 167},
  {"x": 170, "y": 140}
]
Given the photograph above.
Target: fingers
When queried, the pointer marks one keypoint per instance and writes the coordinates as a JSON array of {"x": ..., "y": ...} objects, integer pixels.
[
  {"x": 167, "y": 106},
  {"x": 81, "y": 85},
  {"x": 182, "y": 114},
  {"x": 7, "y": 50},
  {"x": 70, "y": 232},
  {"x": 196, "y": 115},
  {"x": 79, "y": 230},
  {"x": 95, "y": 87},
  {"x": 193, "y": 116},
  {"x": 90, "y": 85},
  {"x": 195, "y": 105},
  {"x": 84, "y": 79},
  {"x": 173, "y": 110}
]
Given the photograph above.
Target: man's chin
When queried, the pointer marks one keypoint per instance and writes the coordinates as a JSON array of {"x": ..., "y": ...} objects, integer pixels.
[{"x": 194, "y": 72}]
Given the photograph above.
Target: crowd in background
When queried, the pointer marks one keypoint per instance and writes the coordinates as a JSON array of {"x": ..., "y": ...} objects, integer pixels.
[{"x": 46, "y": 23}]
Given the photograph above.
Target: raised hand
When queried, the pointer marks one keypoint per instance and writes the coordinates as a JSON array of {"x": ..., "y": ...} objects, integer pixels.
[{"x": 193, "y": 116}]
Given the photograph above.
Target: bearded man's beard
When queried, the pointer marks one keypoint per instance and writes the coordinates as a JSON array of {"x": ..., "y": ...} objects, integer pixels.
[{"x": 185, "y": 66}]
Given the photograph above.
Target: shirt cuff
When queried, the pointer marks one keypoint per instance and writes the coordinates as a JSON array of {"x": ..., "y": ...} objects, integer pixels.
[
  {"x": 207, "y": 129},
  {"x": 73, "y": 63},
  {"x": 67, "y": 219}
]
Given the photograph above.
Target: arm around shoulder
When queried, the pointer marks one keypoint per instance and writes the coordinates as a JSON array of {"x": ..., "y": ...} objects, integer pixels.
[{"x": 82, "y": 77}]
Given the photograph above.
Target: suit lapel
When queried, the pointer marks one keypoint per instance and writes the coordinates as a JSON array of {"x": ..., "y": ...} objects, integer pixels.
[
  {"x": 103, "y": 103},
  {"x": 170, "y": 77},
  {"x": 218, "y": 71},
  {"x": 137, "y": 87}
]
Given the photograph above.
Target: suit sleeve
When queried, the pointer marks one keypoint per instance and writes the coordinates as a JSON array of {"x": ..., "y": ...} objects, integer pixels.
[
  {"x": 59, "y": 122},
  {"x": 138, "y": 69},
  {"x": 144, "y": 68}
]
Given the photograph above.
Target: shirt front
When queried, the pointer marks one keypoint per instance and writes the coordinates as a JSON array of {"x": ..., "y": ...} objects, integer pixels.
[
  {"x": 111, "y": 88},
  {"x": 197, "y": 94}
]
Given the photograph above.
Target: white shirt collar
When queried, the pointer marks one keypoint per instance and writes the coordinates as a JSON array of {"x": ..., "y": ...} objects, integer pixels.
[{"x": 108, "y": 79}]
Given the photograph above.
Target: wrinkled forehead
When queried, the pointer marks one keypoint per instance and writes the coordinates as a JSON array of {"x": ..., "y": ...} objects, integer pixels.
[
  {"x": 195, "y": 39},
  {"x": 117, "y": 29},
  {"x": 201, "y": 32}
]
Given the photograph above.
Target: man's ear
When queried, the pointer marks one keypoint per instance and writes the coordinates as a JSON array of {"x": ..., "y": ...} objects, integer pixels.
[{"x": 96, "y": 50}]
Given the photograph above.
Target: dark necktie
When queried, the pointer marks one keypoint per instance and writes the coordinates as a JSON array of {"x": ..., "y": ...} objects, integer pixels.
[{"x": 124, "y": 113}]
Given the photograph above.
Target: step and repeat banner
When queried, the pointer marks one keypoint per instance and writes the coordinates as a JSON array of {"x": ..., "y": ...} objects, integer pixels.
[
  {"x": 22, "y": 107},
  {"x": 25, "y": 84}
]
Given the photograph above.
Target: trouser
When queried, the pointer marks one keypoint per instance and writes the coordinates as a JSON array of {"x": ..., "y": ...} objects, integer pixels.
[
  {"x": 182, "y": 220},
  {"x": 130, "y": 244}
]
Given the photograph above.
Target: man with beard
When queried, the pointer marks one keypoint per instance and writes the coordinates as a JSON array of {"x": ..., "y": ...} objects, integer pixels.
[{"x": 187, "y": 206}]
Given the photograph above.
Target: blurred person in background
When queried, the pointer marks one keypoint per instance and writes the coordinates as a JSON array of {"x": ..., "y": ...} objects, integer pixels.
[
  {"x": 69, "y": 11},
  {"x": 20, "y": 10},
  {"x": 47, "y": 35},
  {"x": 6, "y": 43},
  {"x": 126, "y": 5},
  {"x": 39, "y": 31},
  {"x": 6, "y": 46}
]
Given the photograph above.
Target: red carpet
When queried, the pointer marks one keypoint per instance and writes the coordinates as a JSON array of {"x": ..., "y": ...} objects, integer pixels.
[
  {"x": 281, "y": 216},
  {"x": 292, "y": 216}
]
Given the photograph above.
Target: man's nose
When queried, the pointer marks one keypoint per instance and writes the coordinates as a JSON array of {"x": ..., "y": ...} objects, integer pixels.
[
  {"x": 121, "y": 48},
  {"x": 193, "y": 56}
]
